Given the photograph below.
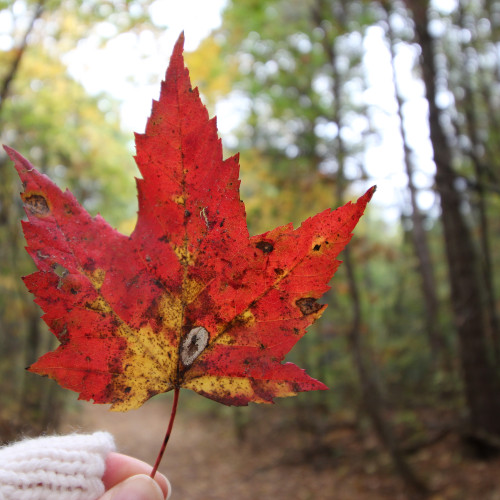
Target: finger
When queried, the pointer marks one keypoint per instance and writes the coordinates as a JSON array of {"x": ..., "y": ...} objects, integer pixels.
[
  {"x": 120, "y": 467},
  {"x": 139, "y": 487}
]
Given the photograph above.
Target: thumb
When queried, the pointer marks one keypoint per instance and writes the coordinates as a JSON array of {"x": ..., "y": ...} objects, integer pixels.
[{"x": 139, "y": 487}]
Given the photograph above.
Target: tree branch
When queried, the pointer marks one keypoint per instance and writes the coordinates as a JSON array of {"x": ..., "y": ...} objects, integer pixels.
[{"x": 4, "y": 93}]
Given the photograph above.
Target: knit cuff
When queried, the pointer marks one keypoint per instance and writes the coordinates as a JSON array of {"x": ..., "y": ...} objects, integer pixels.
[{"x": 55, "y": 468}]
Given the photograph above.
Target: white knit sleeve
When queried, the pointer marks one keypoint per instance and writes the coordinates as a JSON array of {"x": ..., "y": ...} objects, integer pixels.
[{"x": 55, "y": 468}]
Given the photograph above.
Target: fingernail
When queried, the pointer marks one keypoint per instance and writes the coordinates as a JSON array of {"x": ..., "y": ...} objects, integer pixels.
[
  {"x": 169, "y": 494},
  {"x": 140, "y": 487}
]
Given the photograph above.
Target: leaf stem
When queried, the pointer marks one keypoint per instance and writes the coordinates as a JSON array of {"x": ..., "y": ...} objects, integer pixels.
[{"x": 169, "y": 431}]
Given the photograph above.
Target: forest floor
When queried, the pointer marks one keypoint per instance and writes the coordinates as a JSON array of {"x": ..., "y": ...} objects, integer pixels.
[{"x": 205, "y": 461}]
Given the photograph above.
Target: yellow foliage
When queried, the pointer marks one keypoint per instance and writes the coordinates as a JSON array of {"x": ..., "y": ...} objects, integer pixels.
[{"x": 212, "y": 74}]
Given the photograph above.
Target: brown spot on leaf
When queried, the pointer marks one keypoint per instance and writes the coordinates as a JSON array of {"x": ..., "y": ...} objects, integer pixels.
[
  {"x": 265, "y": 246},
  {"x": 316, "y": 247},
  {"x": 279, "y": 272},
  {"x": 37, "y": 204},
  {"x": 308, "y": 305}
]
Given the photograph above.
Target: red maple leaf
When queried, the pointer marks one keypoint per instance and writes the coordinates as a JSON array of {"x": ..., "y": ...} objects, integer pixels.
[{"x": 189, "y": 299}]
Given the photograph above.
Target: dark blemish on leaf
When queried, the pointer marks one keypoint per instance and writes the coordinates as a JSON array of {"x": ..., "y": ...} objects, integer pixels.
[
  {"x": 89, "y": 265},
  {"x": 151, "y": 392},
  {"x": 187, "y": 213},
  {"x": 25, "y": 183},
  {"x": 262, "y": 346},
  {"x": 308, "y": 305},
  {"x": 296, "y": 331},
  {"x": 164, "y": 239},
  {"x": 316, "y": 247},
  {"x": 279, "y": 272},
  {"x": 222, "y": 223},
  {"x": 265, "y": 246},
  {"x": 192, "y": 347},
  {"x": 73, "y": 291},
  {"x": 87, "y": 359},
  {"x": 148, "y": 258},
  {"x": 127, "y": 389},
  {"x": 37, "y": 204},
  {"x": 190, "y": 89}
]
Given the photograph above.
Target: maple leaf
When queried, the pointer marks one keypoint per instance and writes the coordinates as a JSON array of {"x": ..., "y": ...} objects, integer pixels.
[{"x": 189, "y": 300}]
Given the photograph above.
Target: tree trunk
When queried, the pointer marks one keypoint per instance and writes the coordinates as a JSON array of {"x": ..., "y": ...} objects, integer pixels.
[
  {"x": 481, "y": 385},
  {"x": 31, "y": 389},
  {"x": 19, "y": 52},
  {"x": 481, "y": 174},
  {"x": 370, "y": 390},
  {"x": 418, "y": 233},
  {"x": 372, "y": 398}
]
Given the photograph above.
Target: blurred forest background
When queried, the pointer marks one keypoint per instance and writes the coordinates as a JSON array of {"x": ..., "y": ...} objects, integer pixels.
[{"x": 410, "y": 344}]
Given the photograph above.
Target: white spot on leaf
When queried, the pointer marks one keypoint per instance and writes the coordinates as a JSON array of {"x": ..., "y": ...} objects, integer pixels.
[{"x": 193, "y": 345}]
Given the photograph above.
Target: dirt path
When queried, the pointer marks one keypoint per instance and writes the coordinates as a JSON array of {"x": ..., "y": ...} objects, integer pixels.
[{"x": 204, "y": 461}]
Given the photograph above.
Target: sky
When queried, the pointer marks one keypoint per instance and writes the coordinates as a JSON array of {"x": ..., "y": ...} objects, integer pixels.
[{"x": 131, "y": 67}]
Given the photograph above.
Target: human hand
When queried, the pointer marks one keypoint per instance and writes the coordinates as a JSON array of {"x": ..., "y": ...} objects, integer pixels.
[{"x": 127, "y": 478}]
